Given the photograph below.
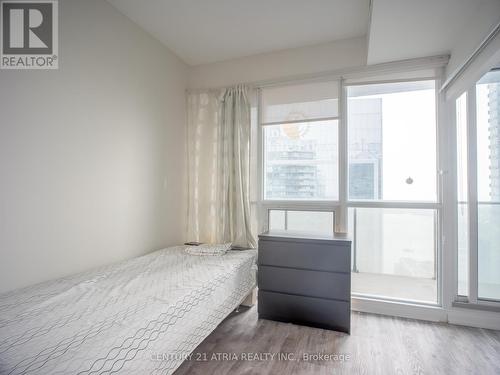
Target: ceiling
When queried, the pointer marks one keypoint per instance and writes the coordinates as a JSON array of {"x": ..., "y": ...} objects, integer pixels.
[
  {"x": 204, "y": 31},
  {"x": 404, "y": 29}
]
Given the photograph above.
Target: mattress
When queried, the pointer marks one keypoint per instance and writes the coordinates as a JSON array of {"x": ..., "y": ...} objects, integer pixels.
[{"x": 144, "y": 315}]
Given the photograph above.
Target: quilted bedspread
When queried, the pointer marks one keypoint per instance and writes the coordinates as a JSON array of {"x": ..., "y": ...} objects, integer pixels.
[{"x": 144, "y": 315}]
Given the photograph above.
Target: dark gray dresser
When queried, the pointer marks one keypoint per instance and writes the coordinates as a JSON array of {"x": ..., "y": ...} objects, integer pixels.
[{"x": 305, "y": 280}]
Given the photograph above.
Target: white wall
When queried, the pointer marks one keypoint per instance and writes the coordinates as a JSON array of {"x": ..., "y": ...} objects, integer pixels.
[
  {"x": 281, "y": 64},
  {"x": 91, "y": 155}
]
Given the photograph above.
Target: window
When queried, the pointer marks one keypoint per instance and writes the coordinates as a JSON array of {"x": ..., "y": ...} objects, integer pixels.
[
  {"x": 314, "y": 222},
  {"x": 394, "y": 253},
  {"x": 300, "y": 140},
  {"x": 478, "y": 194},
  {"x": 488, "y": 185},
  {"x": 373, "y": 170},
  {"x": 392, "y": 141},
  {"x": 387, "y": 154}
]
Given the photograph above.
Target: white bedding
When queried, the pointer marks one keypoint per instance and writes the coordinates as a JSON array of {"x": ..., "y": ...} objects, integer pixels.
[{"x": 139, "y": 316}]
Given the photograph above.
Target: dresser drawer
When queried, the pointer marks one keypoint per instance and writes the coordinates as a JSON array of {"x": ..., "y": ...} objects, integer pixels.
[
  {"x": 306, "y": 283},
  {"x": 313, "y": 256},
  {"x": 316, "y": 312}
]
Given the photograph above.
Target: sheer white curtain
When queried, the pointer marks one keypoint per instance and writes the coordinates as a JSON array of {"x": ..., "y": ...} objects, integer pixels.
[{"x": 219, "y": 166}]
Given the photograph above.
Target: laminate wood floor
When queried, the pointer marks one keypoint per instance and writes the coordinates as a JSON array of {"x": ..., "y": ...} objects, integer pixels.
[{"x": 243, "y": 344}]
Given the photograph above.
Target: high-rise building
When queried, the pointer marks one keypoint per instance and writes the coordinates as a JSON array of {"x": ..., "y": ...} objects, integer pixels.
[
  {"x": 494, "y": 139},
  {"x": 290, "y": 174},
  {"x": 292, "y": 168},
  {"x": 365, "y": 148}
]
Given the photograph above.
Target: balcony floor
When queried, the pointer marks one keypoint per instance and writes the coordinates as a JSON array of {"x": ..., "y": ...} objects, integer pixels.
[{"x": 395, "y": 287}]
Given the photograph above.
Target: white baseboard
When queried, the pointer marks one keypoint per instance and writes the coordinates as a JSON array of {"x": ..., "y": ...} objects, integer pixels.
[
  {"x": 474, "y": 318},
  {"x": 454, "y": 315},
  {"x": 399, "y": 309}
]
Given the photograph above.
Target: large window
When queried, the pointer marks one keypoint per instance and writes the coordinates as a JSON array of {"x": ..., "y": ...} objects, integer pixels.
[
  {"x": 300, "y": 140},
  {"x": 392, "y": 141},
  {"x": 368, "y": 157},
  {"x": 373, "y": 174}
]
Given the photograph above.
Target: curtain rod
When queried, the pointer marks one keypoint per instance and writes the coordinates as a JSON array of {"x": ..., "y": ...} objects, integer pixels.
[{"x": 354, "y": 72}]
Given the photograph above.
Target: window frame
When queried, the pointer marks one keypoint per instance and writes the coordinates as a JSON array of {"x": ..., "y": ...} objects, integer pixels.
[
  {"x": 344, "y": 202},
  {"x": 394, "y": 203},
  {"x": 472, "y": 300},
  {"x": 456, "y": 296},
  {"x": 340, "y": 207}
]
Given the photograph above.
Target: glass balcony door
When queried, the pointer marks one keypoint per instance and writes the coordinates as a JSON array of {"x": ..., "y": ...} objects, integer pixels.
[
  {"x": 392, "y": 190},
  {"x": 488, "y": 185},
  {"x": 478, "y": 194}
]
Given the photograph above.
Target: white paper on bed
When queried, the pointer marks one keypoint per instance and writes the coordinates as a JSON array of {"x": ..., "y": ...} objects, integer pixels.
[{"x": 144, "y": 315}]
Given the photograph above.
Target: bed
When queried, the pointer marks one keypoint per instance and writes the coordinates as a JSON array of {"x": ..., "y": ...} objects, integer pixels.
[{"x": 144, "y": 315}]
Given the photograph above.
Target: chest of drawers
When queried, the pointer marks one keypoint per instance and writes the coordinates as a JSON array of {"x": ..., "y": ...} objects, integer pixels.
[{"x": 305, "y": 280}]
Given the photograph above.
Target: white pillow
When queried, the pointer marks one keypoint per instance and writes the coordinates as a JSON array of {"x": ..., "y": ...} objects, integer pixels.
[{"x": 208, "y": 249}]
